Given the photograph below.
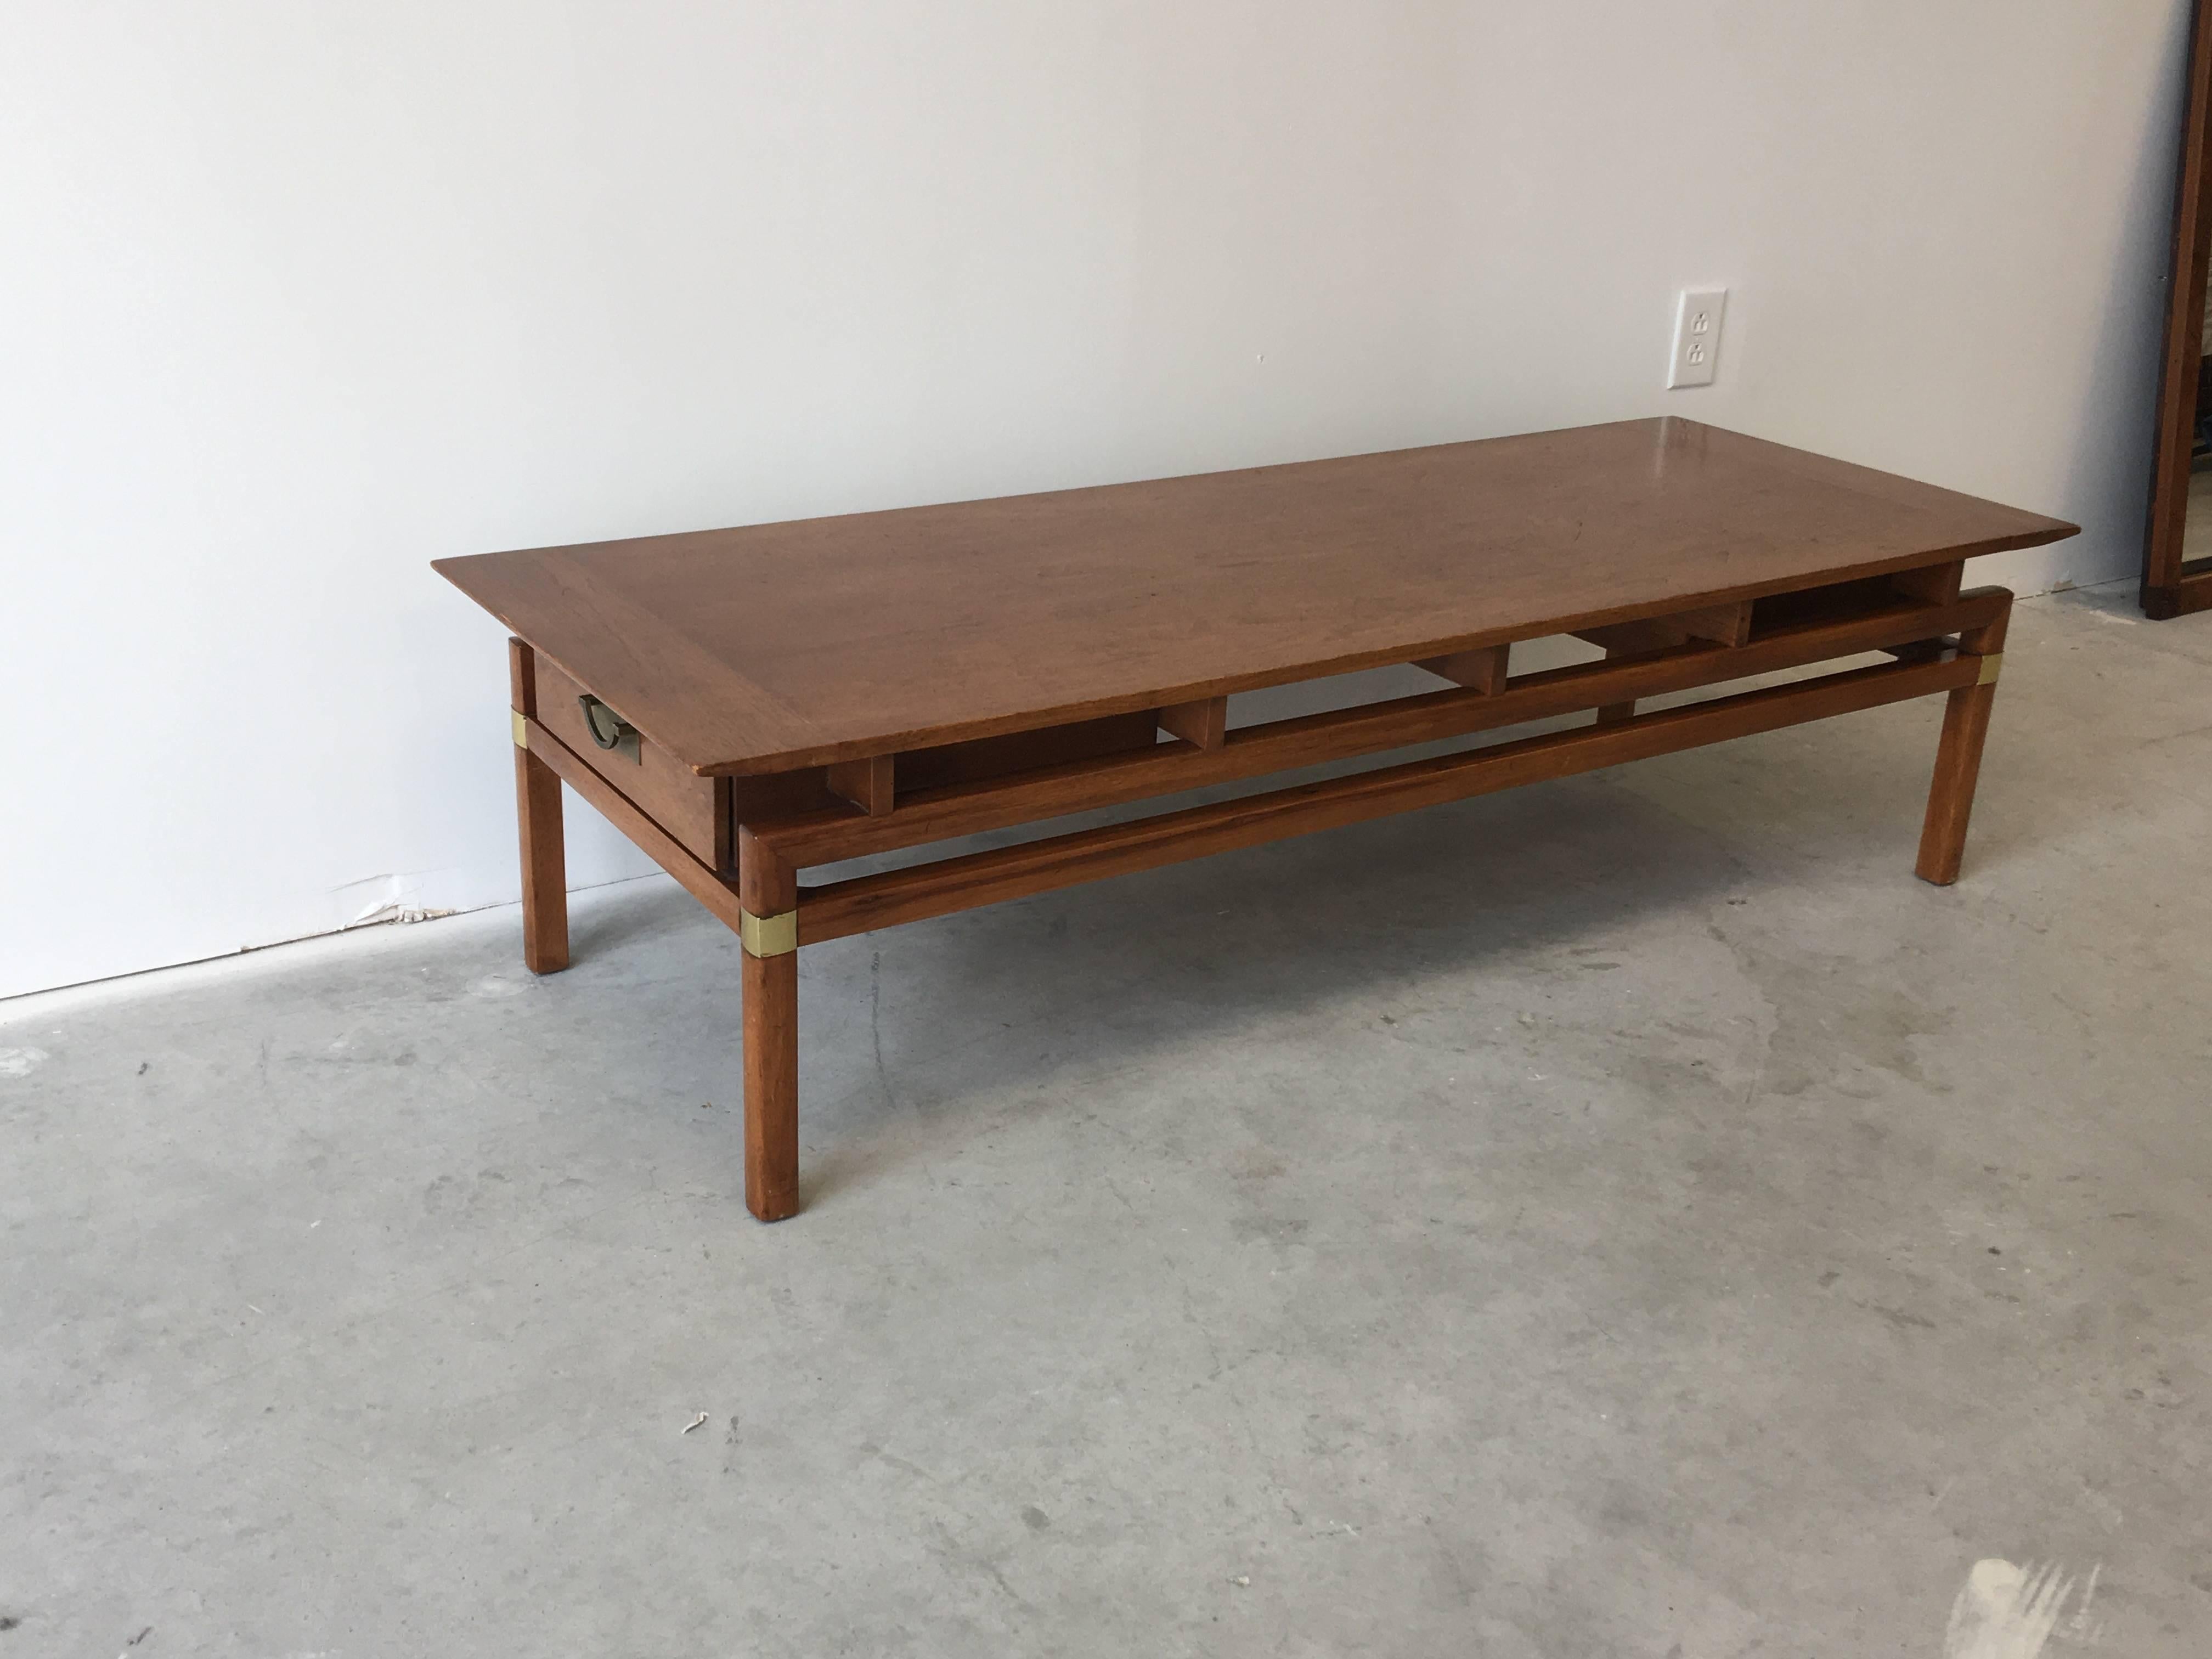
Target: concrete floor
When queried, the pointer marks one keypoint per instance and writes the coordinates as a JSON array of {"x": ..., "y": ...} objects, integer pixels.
[{"x": 1627, "y": 1216}]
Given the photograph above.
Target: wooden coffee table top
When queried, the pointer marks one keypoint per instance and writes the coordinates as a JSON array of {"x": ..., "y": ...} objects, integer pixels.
[{"x": 777, "y": 646}]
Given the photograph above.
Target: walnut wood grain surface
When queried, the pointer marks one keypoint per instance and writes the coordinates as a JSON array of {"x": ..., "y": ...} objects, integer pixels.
[{"x": 779, "y": 646}]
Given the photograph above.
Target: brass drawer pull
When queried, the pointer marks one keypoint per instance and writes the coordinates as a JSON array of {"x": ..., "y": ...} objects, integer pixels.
[{"x": 610, "y": 729}]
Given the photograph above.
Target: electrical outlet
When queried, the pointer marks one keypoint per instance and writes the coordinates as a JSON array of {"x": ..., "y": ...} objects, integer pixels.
[{"x": 1697, "y": 337}]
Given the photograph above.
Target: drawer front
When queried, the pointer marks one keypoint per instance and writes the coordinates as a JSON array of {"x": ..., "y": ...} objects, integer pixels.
[{"x": 692, "y": 809}]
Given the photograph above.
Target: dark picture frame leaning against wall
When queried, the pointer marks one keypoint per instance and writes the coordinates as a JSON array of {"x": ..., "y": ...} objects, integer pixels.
[{"x": 2174, "y": 584}]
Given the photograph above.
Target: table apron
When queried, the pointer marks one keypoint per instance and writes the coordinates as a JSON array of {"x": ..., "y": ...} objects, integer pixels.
[
  {"x": 947, "y": 885},
  {"x": 1283, "y": 745},
  {"x": 940, "y": 887}
]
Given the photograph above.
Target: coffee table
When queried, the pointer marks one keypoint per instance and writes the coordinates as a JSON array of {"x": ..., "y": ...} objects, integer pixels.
[{"x": 747, "y": 704}]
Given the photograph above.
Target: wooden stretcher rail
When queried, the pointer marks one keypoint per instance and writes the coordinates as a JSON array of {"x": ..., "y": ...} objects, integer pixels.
[
  {"x": 958, "y": 884},
  {"x": 1254, "y": 751}
]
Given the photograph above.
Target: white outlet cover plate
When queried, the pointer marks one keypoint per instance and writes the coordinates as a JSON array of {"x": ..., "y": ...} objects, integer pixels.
[{"x": 1697, "y": 337}]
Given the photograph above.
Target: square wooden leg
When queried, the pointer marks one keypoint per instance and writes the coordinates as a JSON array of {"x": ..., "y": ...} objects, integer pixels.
[
  {"x": 537, "y": 816},
  {"x": 769, "y": 890},
  {"x": 771, "y": 994},
  {"x": 1959, "y": 760},
  {"x": 544, "y": 865}
]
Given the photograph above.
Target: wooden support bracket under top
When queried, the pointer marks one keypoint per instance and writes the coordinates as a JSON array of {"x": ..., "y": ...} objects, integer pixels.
[
  {"x": 1204, "y": 723},
  {"x": 1937, "y": 584},
  {"x": 1721, "y": 624},
  {"x": 1479, "y": 669},
  {"x": 865, "y": 783}
]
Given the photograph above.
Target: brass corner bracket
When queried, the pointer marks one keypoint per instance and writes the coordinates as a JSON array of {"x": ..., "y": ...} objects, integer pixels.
[
  {"x": 521, "y": 728},
  {"x": 1992, "y": 665},
  {"x": 767, "y": 936}
]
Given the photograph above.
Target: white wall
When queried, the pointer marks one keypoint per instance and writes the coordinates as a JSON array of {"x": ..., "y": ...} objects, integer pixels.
[{"x": 296, "y": 298}]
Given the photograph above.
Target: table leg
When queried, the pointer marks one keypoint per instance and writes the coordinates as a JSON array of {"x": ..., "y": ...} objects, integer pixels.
[
  {"x": 537, "y": 816},
  {"x": 768, "y": 888},
  {"x": 1958, "y": 758}
]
